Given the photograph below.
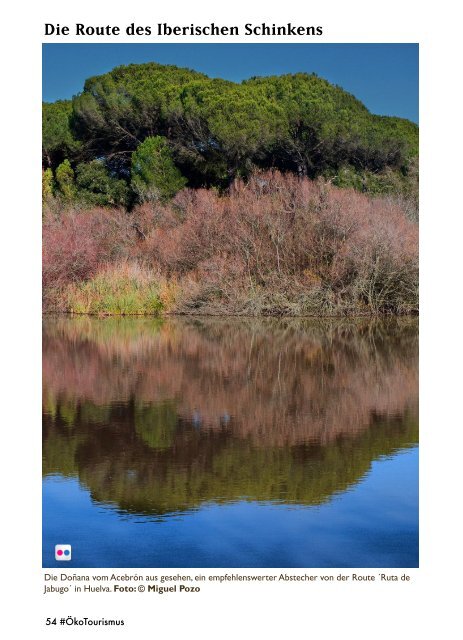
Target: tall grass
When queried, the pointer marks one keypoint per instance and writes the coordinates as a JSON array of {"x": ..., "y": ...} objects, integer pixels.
[{"x": 125, "y": 289}]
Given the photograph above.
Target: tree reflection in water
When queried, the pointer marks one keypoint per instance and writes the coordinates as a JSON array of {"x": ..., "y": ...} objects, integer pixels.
[{"x": 156, "y": 417}]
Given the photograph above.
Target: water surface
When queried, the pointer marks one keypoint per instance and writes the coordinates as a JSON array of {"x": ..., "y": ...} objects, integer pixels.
[{"x": 230, "y": 443}]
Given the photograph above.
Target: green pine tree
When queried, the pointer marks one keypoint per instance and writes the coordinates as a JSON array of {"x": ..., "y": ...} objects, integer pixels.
[{"x": 154, "y": 174}]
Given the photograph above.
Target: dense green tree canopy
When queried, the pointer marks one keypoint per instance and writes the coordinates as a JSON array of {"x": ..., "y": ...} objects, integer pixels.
[
  {"x": 58, "y": 141},
  {"x": 97, "y": 186},
  {"x": 217, "y": 130}
]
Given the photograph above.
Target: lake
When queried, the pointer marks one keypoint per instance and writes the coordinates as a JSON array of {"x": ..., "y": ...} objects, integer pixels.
[{"x": 203, "y": 442}]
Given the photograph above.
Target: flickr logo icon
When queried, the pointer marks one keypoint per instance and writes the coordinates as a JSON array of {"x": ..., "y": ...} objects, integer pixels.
[{"x": 62, "y": 552}]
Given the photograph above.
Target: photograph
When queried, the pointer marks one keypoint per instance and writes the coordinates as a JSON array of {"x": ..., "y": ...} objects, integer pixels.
[{"x": 230, "y": 271}]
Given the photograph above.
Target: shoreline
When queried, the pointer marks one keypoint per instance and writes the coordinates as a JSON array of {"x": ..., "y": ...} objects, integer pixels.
[{"x": 170, "y": 314}]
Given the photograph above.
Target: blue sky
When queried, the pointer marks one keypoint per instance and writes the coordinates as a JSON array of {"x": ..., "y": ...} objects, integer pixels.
[{"x": 383, "y": 76}]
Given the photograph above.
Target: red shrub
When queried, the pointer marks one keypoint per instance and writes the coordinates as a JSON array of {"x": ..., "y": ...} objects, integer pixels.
[
  {"x": 76, "y": 244},
  {"x": 282, "y": 231}
]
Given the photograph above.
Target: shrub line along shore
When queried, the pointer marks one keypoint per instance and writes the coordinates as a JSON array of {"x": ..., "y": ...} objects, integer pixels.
[{"x": 273, "y": 245}]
